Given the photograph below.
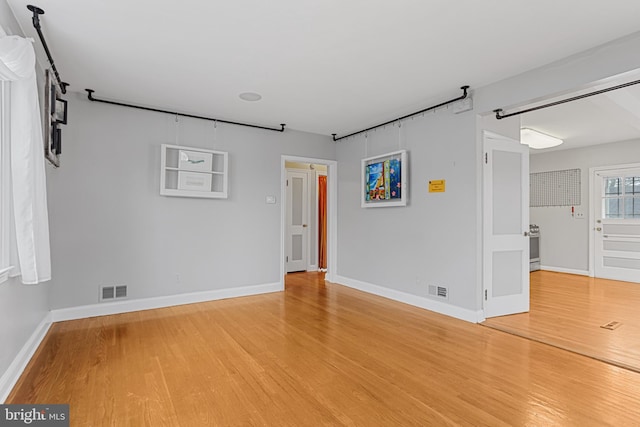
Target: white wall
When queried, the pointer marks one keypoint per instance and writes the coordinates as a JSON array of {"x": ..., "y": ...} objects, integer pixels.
[
  {"x": 432, "y": 240},
  {"x": 564, "y": 241},
  {"x": 22, "y": 307},
  {"x": 111, "y": 226}
]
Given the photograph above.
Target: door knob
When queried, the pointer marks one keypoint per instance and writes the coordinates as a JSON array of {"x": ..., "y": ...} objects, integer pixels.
[
  {"x": 304, "y": 225},
  {"x": 526, "y": 233},
  {"x": 599, "y": 228}
]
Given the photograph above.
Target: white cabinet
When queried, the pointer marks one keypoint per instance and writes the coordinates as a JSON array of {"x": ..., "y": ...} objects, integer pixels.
[{"x": 193, "y": 172}]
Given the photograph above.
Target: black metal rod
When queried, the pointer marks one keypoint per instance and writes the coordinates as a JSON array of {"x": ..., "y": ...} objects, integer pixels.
[
  {"x": 36, "y": 24},
  {"x": 500, "y": 116},
  {"x": 175, "y": 113},
  {"x": 463, "y": 96}
]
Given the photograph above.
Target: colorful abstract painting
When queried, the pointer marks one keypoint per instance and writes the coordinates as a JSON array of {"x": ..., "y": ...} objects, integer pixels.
[
  {"x": 395, "y": 178},
  {"x": 375, "y": 181},
  {"x": 383, "y": 180}
]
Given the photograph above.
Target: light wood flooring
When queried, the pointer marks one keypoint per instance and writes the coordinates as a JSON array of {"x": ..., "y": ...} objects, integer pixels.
[
  {"x": 316, "y": 354},
  {"x": 567, "y": 311}
]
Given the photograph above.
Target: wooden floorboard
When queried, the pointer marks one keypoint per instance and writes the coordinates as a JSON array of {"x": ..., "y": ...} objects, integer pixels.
[
  {"x": 316, "y": 354},
  {"x": 568, "y": 311}
]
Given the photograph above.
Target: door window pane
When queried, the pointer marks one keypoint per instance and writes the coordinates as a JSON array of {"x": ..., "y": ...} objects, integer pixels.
[
  {"x": 632, "y": 185},
  {"x": 612, "y": 207},
  {"x": 612, "y": 186},
  {"x": 632, "y": 207}
]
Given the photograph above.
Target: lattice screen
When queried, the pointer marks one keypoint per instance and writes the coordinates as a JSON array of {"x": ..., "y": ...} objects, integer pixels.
[{"x": 555, "y": 188}]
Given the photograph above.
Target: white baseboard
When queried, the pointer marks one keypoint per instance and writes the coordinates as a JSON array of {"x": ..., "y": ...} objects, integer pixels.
[
  {"x": 12, "y": 374},
  {"x": 564, "y": 270},
  {"x": 127, "y": 306},
  {"x": 417, "y": 301}
]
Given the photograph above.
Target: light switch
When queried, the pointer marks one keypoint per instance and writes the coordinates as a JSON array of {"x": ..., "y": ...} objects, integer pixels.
[{"x": 271, "y": 200}]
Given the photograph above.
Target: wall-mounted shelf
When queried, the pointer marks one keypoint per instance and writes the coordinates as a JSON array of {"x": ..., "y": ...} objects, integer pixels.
[{"x": 193, "y": 172}]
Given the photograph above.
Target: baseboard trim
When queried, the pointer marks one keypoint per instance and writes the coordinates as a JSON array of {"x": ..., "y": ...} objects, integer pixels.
[
  {"x": 12, "y": 374},
  {"x": 417, "y": 301},
  {"x": 564, "y": 270},
  {"x": 127, "y": 306}
]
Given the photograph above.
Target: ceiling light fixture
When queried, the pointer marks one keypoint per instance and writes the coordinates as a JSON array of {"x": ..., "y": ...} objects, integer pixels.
[
  {"x": 538, "y": 140},
  {"x": 250, "y": 96}
]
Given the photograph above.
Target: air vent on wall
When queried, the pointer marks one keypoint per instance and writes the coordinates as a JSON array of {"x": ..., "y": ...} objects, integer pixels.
[
  {"x": 111, "y": 292},
  {"x": 439, "y": 291}
]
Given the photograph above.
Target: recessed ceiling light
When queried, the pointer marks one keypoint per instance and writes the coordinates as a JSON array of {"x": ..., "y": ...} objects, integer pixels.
[
  {"x": 538, "y": 140},
  {"x": 250, "y": 96}
]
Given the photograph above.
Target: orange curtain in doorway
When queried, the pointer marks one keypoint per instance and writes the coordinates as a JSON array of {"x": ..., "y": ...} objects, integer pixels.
[{"x": 322, "y": 222}]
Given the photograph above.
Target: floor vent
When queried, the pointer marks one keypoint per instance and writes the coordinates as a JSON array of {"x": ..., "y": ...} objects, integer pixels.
[
  {"x": 611, "y": 325},
  {"x": 439, "y": 291},
  {"x": 113, "y": 292}
]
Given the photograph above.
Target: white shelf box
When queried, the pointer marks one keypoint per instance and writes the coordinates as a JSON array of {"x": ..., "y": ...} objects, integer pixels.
[{"x": 193, "y": 172}]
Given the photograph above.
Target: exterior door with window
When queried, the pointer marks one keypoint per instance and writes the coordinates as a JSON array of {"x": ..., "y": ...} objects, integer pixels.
[{"x": 616, "y": 225}]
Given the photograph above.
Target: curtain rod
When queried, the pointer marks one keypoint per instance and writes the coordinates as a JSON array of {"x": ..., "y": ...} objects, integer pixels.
[
  {"x": 175, "y": 113},
  {"x": 461, "y": 97},
  {"x": 500, "y": 116},
  {"x": 36, "y": 24}
]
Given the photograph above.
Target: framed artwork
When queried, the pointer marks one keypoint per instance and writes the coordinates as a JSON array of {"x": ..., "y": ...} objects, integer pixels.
[
  {"x": 55, "y": 114},
  {"x": 59, "y": 111},
  {"x": 384, "y": 180}
]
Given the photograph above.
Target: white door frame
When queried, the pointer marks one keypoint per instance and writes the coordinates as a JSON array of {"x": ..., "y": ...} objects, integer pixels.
[
  {"x": 592, "y": 206},
  {"x": 332, "y": 209}
]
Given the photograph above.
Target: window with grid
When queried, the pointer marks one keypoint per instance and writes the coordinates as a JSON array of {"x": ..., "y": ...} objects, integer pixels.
[{"x": 621, "y": 199}]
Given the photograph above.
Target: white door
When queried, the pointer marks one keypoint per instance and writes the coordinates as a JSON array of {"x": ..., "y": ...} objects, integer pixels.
[
  {"x": 506, "y": 226},
  {"x": 616, "y": 225},
  {"x": 297, "y": 221}
]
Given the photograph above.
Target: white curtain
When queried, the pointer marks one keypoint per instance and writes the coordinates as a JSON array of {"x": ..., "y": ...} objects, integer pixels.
[{"x": 30, "y": 220}]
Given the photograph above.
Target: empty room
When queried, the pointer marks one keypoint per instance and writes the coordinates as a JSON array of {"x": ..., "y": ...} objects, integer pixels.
[{"x": 308, "y": 213}]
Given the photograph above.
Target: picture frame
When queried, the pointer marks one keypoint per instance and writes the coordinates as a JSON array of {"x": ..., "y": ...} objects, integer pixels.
[
  {"x": 54, "y": 108},
  {"x": 59, "y": 112},
  {"x": 384, "y": 180}
]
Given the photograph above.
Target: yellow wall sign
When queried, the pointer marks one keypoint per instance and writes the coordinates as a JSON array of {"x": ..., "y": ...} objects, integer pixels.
[{"x": 436, "y": 186}]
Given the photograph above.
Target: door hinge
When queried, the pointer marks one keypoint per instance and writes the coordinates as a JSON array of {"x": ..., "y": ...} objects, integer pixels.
[
  {"x": 486, "y": 158},
  {"x": 287, "y": 258},
  {"x": 485, "y": 294},
  {"x": 287, "y": 183}
]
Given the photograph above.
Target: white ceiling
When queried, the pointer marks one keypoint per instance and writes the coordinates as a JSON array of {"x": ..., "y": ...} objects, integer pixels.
[
  {"x": 600, "y": 119},
  {"x": 321, "y": 66}
]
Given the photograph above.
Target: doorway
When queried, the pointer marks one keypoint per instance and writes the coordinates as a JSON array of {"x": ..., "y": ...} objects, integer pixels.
[
  {"x": 309, "y": 215},
  {"x": 615, "y": 196}
]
